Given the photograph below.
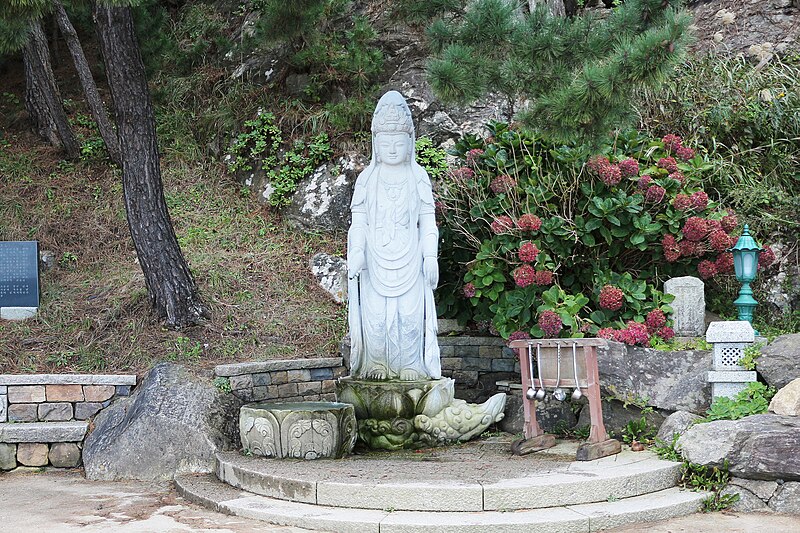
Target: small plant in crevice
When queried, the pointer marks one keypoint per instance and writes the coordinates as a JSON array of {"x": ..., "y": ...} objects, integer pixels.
[
  {"x": 563, "y": 430},
  {"x": 668, "y": 450},
  {"x": 708, "y": 478},
  {"x": 222, "y": 384},
  {"x": 431, "y": 158},
  {"x": 639, "y": 430},
  {"x": 263, "y": 142},
  {"x": 751, "y": 354},
  {"x": 754, "y": 400}
]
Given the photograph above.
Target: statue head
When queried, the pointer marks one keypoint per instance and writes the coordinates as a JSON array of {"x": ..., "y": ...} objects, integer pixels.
[{"x": 392, "y": 130}]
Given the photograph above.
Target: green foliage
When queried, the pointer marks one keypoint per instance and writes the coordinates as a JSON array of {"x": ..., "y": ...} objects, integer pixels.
[
  {"x": 431, "y": 158},
  {"x": 564, "y": 431},
  {"x": 749, "y": 117},
  {"x": 336, "y": 53},
  {"x": 754, "y": 400},
  {"x": 751, "y": 354},
  {"x": 222, "y": 384},
  {"x": 183, "y": 348},
  {"x": 579, "y": 72},
  {"x": 419, "y": 12},
  {"x": 262, "y": 141},
  {"x": 667, "y": 450},
  {"x": 674, "y": 345},
  {"x": 592, "y": 233},
  {"x": 638, "y": 430},
  {"x": 708, "y": 478}
]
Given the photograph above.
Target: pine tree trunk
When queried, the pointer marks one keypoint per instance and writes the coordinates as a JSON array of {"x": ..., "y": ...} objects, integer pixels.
[
  {"x": 99, "y": 114},
  {"x": 171, "y": 288},
  {"x": 42, "y": 98}
]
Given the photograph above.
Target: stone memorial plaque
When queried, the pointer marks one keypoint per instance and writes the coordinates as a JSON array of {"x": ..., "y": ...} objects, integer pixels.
[
  {"x": 689, "y": 306},
  {"x": 19, "y": 274}
]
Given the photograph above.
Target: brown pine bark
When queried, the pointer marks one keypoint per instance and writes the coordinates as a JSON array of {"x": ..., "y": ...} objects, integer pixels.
[
  {"x": 42, "y": 97},
  {"x": 170, "y": 286},
  {"x": 107, "y": 131}
]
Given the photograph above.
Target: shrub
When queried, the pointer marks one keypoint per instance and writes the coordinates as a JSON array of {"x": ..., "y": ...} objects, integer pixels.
[{"x": 604, "y": 243}]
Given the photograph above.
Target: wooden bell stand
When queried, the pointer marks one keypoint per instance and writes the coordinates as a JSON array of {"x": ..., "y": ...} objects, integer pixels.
[{"x": 598, "y": 445}]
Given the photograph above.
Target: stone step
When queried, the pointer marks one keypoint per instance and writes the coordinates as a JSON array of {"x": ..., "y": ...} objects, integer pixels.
[
  {"x": 558, "y": 483},
  {"x": 668, "y": 503},
  {"x": 43, "y": 431}
]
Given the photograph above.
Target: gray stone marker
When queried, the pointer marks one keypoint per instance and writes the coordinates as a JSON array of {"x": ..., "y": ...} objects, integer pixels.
[
  {"x": 730, "y": 339},
  {"x": 19, "y": 279},
  {"x": 689, "y": 306}
]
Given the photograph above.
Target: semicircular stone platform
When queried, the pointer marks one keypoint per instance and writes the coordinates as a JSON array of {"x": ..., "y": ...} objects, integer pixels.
[{"x": 478, "y": 486}]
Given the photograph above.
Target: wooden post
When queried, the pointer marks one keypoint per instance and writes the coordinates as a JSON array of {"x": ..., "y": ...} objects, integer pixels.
[
  {"x": 599, "y": 444},
  {"x": 535, "y": 438}
]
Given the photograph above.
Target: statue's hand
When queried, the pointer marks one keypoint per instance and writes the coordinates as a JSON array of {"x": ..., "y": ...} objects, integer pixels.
[
  {"x": 430, "y": 267},
  {"x": 355, "y": 264}
]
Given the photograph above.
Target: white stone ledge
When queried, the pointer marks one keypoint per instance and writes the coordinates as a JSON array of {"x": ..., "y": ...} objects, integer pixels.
[
  {"x": 257, "y": 367},
  {"x": 731, "y": 376},
  {"x": 43, "y": 432},
  {"x": 67, "y": 379}
]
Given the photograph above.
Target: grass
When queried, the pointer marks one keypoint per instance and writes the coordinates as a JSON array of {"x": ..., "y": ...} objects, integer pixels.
[{"x": 251, "y": 268}]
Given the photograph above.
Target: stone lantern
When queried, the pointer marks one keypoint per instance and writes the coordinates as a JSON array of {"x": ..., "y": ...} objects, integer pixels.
[{"x": 729, "y": 339}]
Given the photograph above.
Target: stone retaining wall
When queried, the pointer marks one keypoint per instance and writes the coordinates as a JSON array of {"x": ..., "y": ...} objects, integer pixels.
[
  {"x": 43, "y": 417},
  {"x": 288, "y": 380},
  {"x": 476, "y": 364}
]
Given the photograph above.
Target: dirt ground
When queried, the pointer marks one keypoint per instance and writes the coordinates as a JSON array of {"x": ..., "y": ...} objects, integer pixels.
[{"x": 64, "y": 502}]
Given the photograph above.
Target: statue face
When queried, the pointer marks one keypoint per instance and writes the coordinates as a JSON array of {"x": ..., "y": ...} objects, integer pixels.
[{"x": 393, "y": 148}]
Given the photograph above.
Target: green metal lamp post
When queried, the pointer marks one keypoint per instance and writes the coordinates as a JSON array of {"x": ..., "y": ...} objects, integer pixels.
[{"x": 745, "y": 263}]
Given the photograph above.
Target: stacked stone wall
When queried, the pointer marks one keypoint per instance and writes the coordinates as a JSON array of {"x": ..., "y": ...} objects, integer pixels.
[
  {"x": 44, "y": 417},
  {"x": 290, "y": 380}
]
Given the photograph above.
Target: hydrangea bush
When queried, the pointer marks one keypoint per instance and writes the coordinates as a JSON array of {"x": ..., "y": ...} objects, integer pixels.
[{"x": 543, "y": 240}]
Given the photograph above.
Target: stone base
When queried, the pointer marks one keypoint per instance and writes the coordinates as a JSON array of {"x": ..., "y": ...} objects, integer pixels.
[
  {"x": 589, "y": 451},
  {"x": 412, "y": 414},
  {"x": 534, "y": 444},
  {"x": 17, "y": 313},
  {"x": 299, "y": 430}
]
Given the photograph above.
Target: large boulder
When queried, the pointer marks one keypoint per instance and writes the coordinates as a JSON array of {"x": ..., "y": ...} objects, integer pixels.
[
  {"x": 331, "y": 273},
  {"x": 756, "y": 447},
  {"x": 172, "y": 424},
  {"x": 322, "y": 200},
  {"x": 787, "y": 400},
  {"x": 678, "y": 422},
  {"x": 673, "y": 381},
  {"x": 780, "y": 360}
]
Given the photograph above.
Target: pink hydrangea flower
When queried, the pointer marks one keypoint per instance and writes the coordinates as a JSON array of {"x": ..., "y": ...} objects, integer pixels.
[
  {"x": 690, "y": 248},
  {"x": 666, "y": 333},
  {"x": 543, "y": 278},
  {"x": 519, "y": 335},
  {"x": 524, "y": 275},
  {"x": 605, "y": 333},
  {"x": 729, "y": 222},
  {"x": 671, "y": 142},
  {"x": 474, "y": 155},
  {"x": 699, "y": 200},
  {"x": 550, "y": 323},
  {"x": 695, "y": 229},
  {"x": 677, "y": 176},
  {"x": 501, "y": 224},
  {"x": 529, "y": 222},
  {"x": 611, "y": 298},
  {"x": 655, "y": 194},
  {"x": 707, "y": 269},
  {"x": 611, "y": 175},
  {"x": 766, "y": 258},
  {"x": 528, "y": 252},
  {"x": 671, "y": 250},
  {"x": 724, "y": 263},
  {"x": 462, "y": 174},
  {"x": 629, "y": 167},
  {"x": 719, "y": 240},
  {"x": 469, "y": 290},
  {"x": 638, "y": 332},
  {"x": 644, "y": 182},
  {"x": 682, "y": 202},
  {"x": 597, "y": 162},
  {"x": 668, "y": 163},
  {"x": 684, "y": 152},
  {"x": 655, "y": 319},
  {"x": 502, "y": 183}
]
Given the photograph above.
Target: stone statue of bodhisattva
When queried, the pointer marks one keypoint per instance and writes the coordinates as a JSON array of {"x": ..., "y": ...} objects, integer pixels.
[{"x": 391, "y": 257}]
